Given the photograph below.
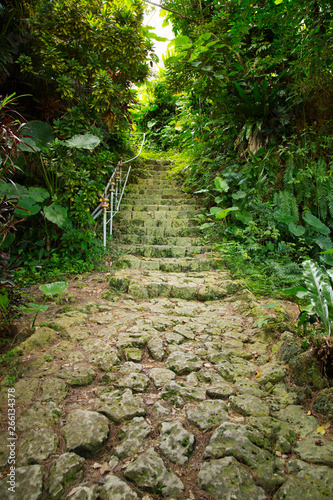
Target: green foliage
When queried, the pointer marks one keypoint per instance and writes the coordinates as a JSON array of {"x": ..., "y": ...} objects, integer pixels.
[
  {"x": 319, "y": 292},
  {"x": 156, "y": 114},
  {"x": 50, "y": 290},
  {"x": 90, "y": 53}
]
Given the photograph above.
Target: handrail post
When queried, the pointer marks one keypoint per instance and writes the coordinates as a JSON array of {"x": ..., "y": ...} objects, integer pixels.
[
  {"x": 117, "y": 187},
  {"x": 111, "y": 211},
  {"x": 104, "y": 227}
]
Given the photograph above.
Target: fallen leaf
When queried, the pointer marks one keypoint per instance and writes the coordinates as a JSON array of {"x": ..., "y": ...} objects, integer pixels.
[
  {"x": 258, "y": 375},
  {"x": 321, "y": 430},
  {"x": 309, "y": 412},
  {"x": 105, "y": 468}
]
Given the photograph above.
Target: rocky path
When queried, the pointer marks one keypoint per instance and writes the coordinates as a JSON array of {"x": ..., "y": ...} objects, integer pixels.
[{"x": 159, "y": 383}]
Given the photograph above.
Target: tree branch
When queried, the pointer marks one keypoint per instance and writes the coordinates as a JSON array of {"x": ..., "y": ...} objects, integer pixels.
[{"x": 172, "y": 11}]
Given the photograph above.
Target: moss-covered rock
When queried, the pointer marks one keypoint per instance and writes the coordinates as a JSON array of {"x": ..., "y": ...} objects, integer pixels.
[{"x": 323, "y": 402}]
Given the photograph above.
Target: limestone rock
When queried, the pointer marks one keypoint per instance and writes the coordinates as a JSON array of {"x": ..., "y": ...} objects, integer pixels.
[
  {"x": 156, "y": 349},
  {"x": 84, "y": 493},
  {"x": 54, "y": 389},
  {"x": 64, "y": 470},
  {"x": 272, "y": 372},
  {"x": 226, "y": 478},
  {"x": 43, "y": 337},
  {"x": 173, "y": 390},
  {"x": 176, "y": 443},
  {"x": 315, "y": 450},
  {"x": 25, "y": 389},
  {"x": 323, "y": 403},
  {"x": 39, "y": 415},
  {"x": 161, "y": 376},
  {"x": 78, "y": 374},
  {"x": 122, "y": 407},
  {"x": 231, "y": 440},
  {"x": 132, "y": 435},
  {"x": 28, "y": 484},
  {"x": 221, "y": 391},
  {"x": 116, "y": 489},
  {"x": 135, "y": 381},
  {"x": 207, "y": 414},
  {"x": 299, "y": 421},
  {"x": 182, "y": 362},
  {"x": 37, "y": 446},
  {"x": 247, "y": 405},
  {"x": 160, "y": 411},
  {"x": 85, "y": 431},
  {"x": 149, "y": 473}
]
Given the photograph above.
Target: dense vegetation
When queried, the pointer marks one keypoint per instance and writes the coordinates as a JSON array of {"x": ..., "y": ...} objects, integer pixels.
[
  {"x": 246, "y": 97},
  {"x": 250, "y": 84},
  {"x": 66, "y": 75},
  {"x": 253, "y": 88}
]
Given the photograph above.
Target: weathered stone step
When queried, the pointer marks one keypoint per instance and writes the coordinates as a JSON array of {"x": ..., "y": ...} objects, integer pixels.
[
  {"x": 156, "y": 200},
  {"x": 146, "y": 191},
  {"x": 190, "y": 231},
  {"x": 158, "y": 208},
  {"x": 156, "y": 182},
  {"x": 163, "y": 250},
  {"x": 198, "y": 263},
  {"x": 163, "y": 177},
  {"x": 153, "y": 223},
  {"x": 152, "y": 215},
  {"x": 160, "y": 240},
  {"x": 145, "y": 284},
  {"x": 156, "y": 185},
  {"x": 154, "y": 163}
]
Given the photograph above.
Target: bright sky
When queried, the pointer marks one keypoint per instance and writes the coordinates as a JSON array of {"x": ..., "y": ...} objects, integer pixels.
[{"x": 155, "y": 20}]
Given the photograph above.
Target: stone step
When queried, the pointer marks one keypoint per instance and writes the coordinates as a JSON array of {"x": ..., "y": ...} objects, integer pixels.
[
  {"x": 198, "y": 263},
  {"x": 163, "y": 250},
  {"x": 157, "y": 208},
  {"x": 181, "y": 241},
  {"x": 161, "y": 176},
  {"x": 156, "y": 200},
  {"x": 189, "y": 231},
  {"x": 154, "y": 162},
  {"x": 159, "y": 215},
  {"x": 145, "y": 284},
  {"x": 157, "y": 182},
  {"x": 147, "y": 191},
  {"x": 131, "y": 224}
]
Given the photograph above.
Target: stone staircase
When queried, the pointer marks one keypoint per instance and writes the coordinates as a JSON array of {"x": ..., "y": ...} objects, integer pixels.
[
  {"x": 164, "y": 398},
  {"x": 162, "y": 249}
]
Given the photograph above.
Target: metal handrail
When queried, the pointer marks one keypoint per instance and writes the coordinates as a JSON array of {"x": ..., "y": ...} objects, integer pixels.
[{"x": 114, "y": 191}]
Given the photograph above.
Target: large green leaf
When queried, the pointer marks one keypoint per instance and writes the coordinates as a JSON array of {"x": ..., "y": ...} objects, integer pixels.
[
  {"x": 86, "y": 141},
  {"x": 181, "y": 40},
  {"x": 296, "y": 230},
  {"x": 316, "y": 223},
  {"x": 36, "y": 135},
  {"x": 221, "y": 185},
  {"x": 215, "y": 210},
  {"x": 39, "y": 194},
  {"x": 222, "y": 214},
  {"x": 239, "y": 195},
  {"x": 320, "y": 293},
  {"x": 35, "y": 307},
  {"x": 56, "y": 214},
  {"x": 52, "y": 289},
  {"x": 26, "y": 207},
  {"x": 13, "y": 190}
]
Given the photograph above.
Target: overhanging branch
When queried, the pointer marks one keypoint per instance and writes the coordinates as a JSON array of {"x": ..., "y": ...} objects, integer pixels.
[{"x": 172, "y": 11}]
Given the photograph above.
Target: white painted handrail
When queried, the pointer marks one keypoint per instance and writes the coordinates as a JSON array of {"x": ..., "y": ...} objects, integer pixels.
[{"x": 114, "y": 191}]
